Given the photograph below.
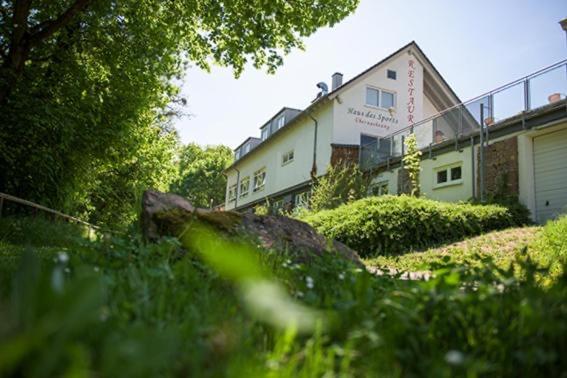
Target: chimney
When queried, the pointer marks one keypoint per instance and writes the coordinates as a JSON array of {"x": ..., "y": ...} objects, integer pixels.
[{"x": 337, "y": 80}]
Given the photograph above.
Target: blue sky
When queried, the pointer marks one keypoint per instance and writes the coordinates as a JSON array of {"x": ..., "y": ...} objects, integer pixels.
[{"x": 475, "y": 45}]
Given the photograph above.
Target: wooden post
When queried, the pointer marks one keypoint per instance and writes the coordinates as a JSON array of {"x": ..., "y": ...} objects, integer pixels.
[{"x": 1, "y": 205}]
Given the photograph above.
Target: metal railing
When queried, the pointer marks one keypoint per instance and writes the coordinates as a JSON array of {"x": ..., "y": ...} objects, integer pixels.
[
  {"x": 4, "y": 198},
  {"x": 536, "y": 90}
]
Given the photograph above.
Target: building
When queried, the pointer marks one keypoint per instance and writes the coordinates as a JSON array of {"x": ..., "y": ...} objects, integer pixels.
[{"x": 512, "y": 140}]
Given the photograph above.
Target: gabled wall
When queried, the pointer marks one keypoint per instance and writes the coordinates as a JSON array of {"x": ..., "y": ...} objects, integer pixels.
[{"x": 353, "y": 116}]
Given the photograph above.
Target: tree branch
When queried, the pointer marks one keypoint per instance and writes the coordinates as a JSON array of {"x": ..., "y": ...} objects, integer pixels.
[{"x": 48, "y": 28}]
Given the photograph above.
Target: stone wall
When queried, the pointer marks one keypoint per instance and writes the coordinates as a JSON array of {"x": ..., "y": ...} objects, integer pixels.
[
  {"x": 502, "y": 174},
  {"x": 344, "y": 153}
]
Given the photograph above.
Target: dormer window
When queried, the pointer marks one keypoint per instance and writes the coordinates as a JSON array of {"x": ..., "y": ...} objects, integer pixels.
[
  {"x": 265, "y": 131},
  {"x": 280, "y": 122},
  {"x": 380, "y": 98},
  {"x": 247, "y": 148},
  {"x": 237, "y": 154}
]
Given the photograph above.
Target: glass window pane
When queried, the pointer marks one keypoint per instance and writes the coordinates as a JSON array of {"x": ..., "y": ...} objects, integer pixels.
[
  {"x": 456, "y": 173},
  {"x": 387, "y": 100},
  {"x": 441, "y": 177},
  {"x": 372, "y": 97},
  {"x": 367, "y": 139}
]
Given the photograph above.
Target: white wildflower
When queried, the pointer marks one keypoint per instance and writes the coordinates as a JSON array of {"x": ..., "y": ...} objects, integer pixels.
[
  {"x": 341, "y": 276},
  {"x": 63, "y": 257},
  {"x": 309, "y": 282},
  {"x": 454, "y": 357}
]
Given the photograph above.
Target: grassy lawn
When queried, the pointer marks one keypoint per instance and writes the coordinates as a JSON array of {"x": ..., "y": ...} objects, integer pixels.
[
  {"x": 118, "y": 307},
  {"x": 503, "y": 246}
]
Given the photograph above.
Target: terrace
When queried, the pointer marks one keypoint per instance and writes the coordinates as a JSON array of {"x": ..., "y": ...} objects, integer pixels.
[{"x": 529, "y": 93}]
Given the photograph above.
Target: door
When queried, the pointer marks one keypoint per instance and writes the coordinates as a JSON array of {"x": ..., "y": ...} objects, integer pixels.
[{"x": 550, "y": 173}]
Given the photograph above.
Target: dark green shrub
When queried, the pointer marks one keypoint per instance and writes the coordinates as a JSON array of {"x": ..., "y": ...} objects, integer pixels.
[
  {"x": 394, "y": 224},
  {"x": 519, "y": 212}
]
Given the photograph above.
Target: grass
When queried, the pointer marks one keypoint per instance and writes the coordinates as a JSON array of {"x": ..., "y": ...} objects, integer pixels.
[
  {"x": 502, "y": 246},
  {"x": 73, "y": 306}
]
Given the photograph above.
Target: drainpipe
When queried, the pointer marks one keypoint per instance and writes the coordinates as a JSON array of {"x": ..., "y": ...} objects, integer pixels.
[{"x": 314, "y": 166}]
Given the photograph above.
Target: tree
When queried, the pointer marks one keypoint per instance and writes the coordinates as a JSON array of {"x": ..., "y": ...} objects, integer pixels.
[
  {"x": 85, "y": 85},
  {"x": 223, "y": 31},
  {"x": 412, "y": 160},
  {"x": 341, "y": 184},
  {"x": 201, "y": 174}
]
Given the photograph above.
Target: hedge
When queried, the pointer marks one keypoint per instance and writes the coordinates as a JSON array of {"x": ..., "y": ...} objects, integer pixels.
[{"x": 395, "y": 224}]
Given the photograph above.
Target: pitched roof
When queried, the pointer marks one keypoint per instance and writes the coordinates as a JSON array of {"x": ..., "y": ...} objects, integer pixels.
[{"x": 331, "y": 95}]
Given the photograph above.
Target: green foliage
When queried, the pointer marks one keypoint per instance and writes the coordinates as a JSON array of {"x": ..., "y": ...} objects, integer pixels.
[
  {"x": 412, "y": 160},
  {"x": 86, "y": 100},
  {"x": 394, "y": 224},
  {"x": 341, "y": 184},
  {"x": 201, "y": 174},
  {"x": 119, "y": 307},
  {"x": 518, "y": 210},
  {"x": 550, "y": 249},
  {"x": 262, "y": 209}
]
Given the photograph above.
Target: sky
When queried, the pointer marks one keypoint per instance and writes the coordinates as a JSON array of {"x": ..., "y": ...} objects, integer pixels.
[{"x": 476, "y": 45}]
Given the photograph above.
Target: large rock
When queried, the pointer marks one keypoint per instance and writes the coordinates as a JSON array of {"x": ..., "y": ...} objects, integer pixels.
[{"x": 167, "y": 214}]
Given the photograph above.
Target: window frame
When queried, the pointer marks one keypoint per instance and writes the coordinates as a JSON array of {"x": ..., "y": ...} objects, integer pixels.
[
  {"x": 380, "y": 91},
  {"x": 280, "y": 119},
  {"x": 265, "y": 133},
  {"x": 232, "y": 192},
  {"x": 255, "y": 187},
  {"x": 244, "y": 193},
  {"x": 448, "y": 169},
  {"x": 301, "y": 200},
  {"x": 395, "y": 74},
  {"x": 380, "y": 185},
  {"x": 289, "y": 160}
]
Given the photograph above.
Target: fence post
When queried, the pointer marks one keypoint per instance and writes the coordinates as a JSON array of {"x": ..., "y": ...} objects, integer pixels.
[
  {"x": 527, "y": 102},
  {"x": 481, "y": 152}
]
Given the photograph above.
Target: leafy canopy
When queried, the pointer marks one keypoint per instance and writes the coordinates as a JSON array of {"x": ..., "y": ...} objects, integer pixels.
[
  {"x": 87, "y": 87},
  {"x": 201, "y": 174}
]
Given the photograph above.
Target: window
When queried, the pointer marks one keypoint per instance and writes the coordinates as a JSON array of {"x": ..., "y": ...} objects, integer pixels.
[
  {"x": 366, "y": 140},
  {"x": 380, "y": 98},
  {"x": 244, "y": 187},
  {"x": 302, "y": 200},
  {"x": 265, "y": 133},
  {"x": 372, "y": 96},
  {"x": 456, "y": 173},
  {"x": 391, "y": 74},
  {"x": 259, "y": 180},
  {"x": 287, "y": 157},
  {"x": 232, "y": 193},
  {"x": 280, "y": 122},
  {"x": 379, "y": 189},
  {"x": 246, "y": 149},
  {"x": 449, "y": 175},
  {"x": 277, "y": 207},
  {"x": 387, "y": 100}
]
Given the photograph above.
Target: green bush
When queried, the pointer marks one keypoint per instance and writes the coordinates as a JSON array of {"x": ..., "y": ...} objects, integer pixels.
[
  {"x": 395, "y": 224},
  {"x": 550, "y": 248}
]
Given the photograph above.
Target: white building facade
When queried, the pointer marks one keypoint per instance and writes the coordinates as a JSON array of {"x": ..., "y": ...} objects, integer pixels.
[{"x": 367, "y": 118}]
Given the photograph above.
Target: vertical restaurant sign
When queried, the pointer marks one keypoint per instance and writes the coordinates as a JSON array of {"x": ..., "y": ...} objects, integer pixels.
[{"x": 411, "y": 92}]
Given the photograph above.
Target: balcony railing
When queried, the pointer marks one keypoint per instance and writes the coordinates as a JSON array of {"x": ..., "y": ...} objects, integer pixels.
[{"x": 541, "y": 88}]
